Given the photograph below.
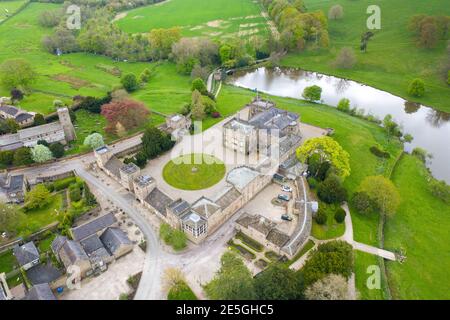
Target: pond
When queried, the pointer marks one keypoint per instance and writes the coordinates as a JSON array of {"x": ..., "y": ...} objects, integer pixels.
[{"x": 430, "y": 128}]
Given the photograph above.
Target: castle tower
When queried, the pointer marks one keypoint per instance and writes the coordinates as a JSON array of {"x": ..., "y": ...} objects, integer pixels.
[{"x": 66, "y": 123}]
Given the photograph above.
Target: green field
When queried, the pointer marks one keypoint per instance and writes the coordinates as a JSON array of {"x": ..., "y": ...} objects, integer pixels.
[
  {"x": 214, "y": 19},
  {"x": 420, "y": 228},
  {"x": 331, "y": 229},
  {"x": 194, "y": 172},
  {"x": 393, "y": 58},
  {"x": 7, "y": 261},
  {"x": 7, "y": 8}
]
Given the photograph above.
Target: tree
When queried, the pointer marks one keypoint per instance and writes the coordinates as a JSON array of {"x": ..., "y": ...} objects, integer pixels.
[
  {"x": 12, "y": 125},
  {"x": 312, "y": 93},
  {"x": 22, "y": 156},
  {"x": 334, "y": 257},
  {"x": 162, "y": 40},
  {"x": 328, "y": 150},
  {"x": 233, "y": 281},
  {"x": 440, "y": 190},
  {"x": 155, "y": 142},
  {"x": 363, "y": 203},
  {"x": 16, "y": 94},
  {"x": 416, "y": 88},
  {"x": 172, "y": 277},
  {"x": 339, "y": 215},
  {"x": 145, "y": 76},
  {"x": 344, "y": 105},
  {"x": 39, "y": 119},
  {"x": 332, "y": 287},
  {"x": 10, "y": 217},
  {"x": 50, "y": 18},
  {"x": 40, "y": 153},
  {"x": 321, "y": 216},
  {"x": 197, "y": 106},
  {"x": 365, "y": 40},
  {"x": 88, "y": 196},
  {"x": 131, "y": 114},
  {"x": 336, "y": 12},
  {"x": 346, "y": 58},
  {"x": 382, "y": 192},
  {"x": 331, "y": 190},
  {"x": 37, "y": 198},
  {"x": 6, "y": 158},
  {"x": 199, "y": 85},
  {"x": 225, "y": 53},
  {"x": 94, "y": 140},
  {"x": 391, "y": 127},
  {"x": 17, "y": 73},
  {"x": 130, "y": 82},
  {"x": 57, "y": 149},
  {"x": 278, "y": 282}
]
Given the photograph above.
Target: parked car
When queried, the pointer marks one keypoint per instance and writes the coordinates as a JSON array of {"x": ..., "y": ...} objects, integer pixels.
[
  {"x": 286, "y": 217},
  {"x": 286, "y": 189},
  {"x": 284, "y": 197}
]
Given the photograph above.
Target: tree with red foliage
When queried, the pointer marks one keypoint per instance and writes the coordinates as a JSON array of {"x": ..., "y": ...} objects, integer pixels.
[{"x": 129, "y": 113}]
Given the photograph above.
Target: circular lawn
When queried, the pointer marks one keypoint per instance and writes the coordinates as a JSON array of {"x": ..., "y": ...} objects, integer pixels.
[{"x": 194, "y": 171}]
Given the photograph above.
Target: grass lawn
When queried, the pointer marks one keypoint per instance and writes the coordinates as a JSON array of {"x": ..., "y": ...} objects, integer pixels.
[
  {"x": 308, "y": 246},
  {"x": 420, "y": 228},
  {"x": 214, "y": 19},
  {"x": 393, "y": 59},
  {"x": 7, "y": 8},
  {"x": 331, "y": 229},
  {"x": 184, "y": 172},
  {"x": 8, "y": 261},
  {"x": 44, "y": 245},
  {"x": 40, "y": 218},
  {"x": 181, "y": 292},
  {"x": 362, "y": 262}
]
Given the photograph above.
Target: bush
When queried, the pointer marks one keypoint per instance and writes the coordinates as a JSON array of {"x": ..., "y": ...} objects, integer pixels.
[
  {"x": 440, "y": 190},
  {"x": 376, "y": 150},
  {"x": 362, "y": 202},
  {"x": 199, "y": 85},
  {"x": 62, "y": 184},
  {"x": 313, "y": 183},
  {"x": 75, "y": 193},
  {"x": 130, "y": 82},
  {"x": 339, "y": 215},
  {"x": 416, "y": 88},
  {"x": 312, "y": 93},
  {"x": 175, "y": 238},
  {"x": 344, "y": 105},
  {"x": 57, "y": 149},
  {"x": 331, "y": 190},
  {"x": 420, "y": 154},
  {"x": 321, "y": 216}
]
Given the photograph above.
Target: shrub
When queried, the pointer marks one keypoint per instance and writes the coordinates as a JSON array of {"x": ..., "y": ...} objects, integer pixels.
[
  {"x": 336, "y": 12},
  {"x": 130, "y": 82},
  {"x": 339, "y": 215},
  {"x": 331, "y": 190},
  {"x": 376, "y": 150},
  {"x": 75, "y": 193},
  {"x": 199, "y": 85},
  {"x": 57, "y": 149},
  {"x": 420, "y": 154},
  {"x": 321, "y": 216},
  {"x": 312, "y": 93},
  {"x": 175, "y": 238},
  {"x": 215, "y": 115},
  {"x": 416, "y": 88},
  {"x": 344, "y": 105},
  {"x": 62, "y": 184}
]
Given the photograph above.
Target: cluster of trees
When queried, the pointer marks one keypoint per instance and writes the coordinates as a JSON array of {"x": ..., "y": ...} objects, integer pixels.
[
  {"x": 376, "y": 194},
  {"x": 173, "y": 237},
  {"x": 298, "y": 27},
  {"x": 429, "y": 29},
  {"x": 18, "y": 157},
  {"x": 344, "y": 106},
  {"x": 233, "y": 281},
  {"x": 321, "y": 216},
  {"x": 202, "y": 102}
]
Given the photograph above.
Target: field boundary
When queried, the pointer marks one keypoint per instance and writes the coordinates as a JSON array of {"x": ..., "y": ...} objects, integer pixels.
[{"x": 19, "y": 10}]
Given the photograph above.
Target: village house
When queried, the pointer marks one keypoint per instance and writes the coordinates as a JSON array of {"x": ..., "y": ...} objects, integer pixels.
[
  {"x": 21, "y": 117},
  {"x": 14, "y": 188},
  {"x": 27, "y": 255},
  {"x": 59, "y": 131},
  {"x": 40, "y": 292}
]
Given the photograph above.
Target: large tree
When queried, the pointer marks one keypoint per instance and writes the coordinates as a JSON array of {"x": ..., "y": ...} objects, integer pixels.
[
  {"x": 131, "y": 114},
  {"x": 10, "y": 216},
  {"x": 94, "y": 141},
  {"x": 328, "y": 150},
  {"x": 162, "y": 40},
  {"x": 382, "y": 192},
  {"x": 17, "y": 73},
  {"x": 197, "y": 106},
  {"x": 154, "y": 142},
  {"x": 233, "y": 281},
  {"x": 278, "y": 282},
  {"x": 312, "y": 93}
]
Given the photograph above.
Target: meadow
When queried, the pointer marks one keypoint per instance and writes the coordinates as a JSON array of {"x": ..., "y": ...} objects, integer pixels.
[
  {"x": 214, "y": 19},
  {"x": 7, "y": 8},
  {"x": 393, "y": 60}
]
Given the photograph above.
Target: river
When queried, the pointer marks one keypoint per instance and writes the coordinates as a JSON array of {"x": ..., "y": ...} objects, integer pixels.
[{"x": 430, "y": 128}]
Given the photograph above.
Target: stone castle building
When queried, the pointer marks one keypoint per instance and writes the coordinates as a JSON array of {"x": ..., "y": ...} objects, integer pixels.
[{"x": 59, "y": 131}]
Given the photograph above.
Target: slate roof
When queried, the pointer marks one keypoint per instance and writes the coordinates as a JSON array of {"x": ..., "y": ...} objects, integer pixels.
[
  {"x": 129, "y": 168},
  {"x": 274, "y": 118},
  {"x": 58, "y": 243},
  {"x": 23, "y": 117},
  {"x": 91, "y": 244},
  {"x": 240, "y": 177},
  {"x": 39, "y": 130},
  {"x": 179, "y": 207},
  {"x": 93, "y": 226},
  {"x": 158, "y": 200},
  {"x": 205, "y": 207},
  {"x": 40, "y": 292},
  {"x": 12, "y": 111},
  {"x": 227, "y": 198},
  {"x": 278, "y": 237},
  {"x": 114, "y": 238},
  {"x": 43, "y": 273},
  {"x": 74, "y": 251},
  {"x": 26, "y": 253},
  {"x": 15, "y": 184},
  {"x": 113, "y": 165}
]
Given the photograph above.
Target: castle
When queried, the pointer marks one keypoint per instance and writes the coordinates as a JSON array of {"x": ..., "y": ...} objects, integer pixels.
[{"x": 59, "y": 131}]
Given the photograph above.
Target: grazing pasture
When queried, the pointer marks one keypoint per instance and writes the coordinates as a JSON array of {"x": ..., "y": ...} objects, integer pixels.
[{"x": 213, "y": 19}]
